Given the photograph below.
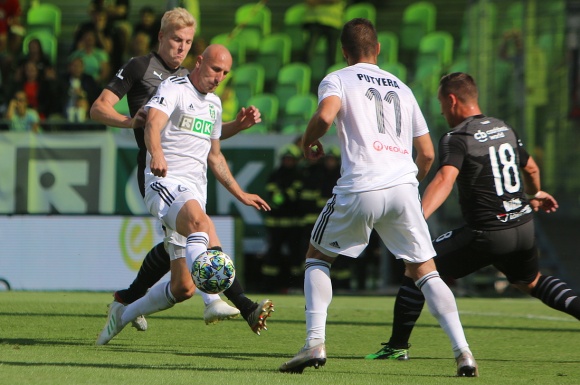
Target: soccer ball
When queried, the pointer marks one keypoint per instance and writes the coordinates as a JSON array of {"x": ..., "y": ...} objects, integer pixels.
[{"x": 213, "y": 272}]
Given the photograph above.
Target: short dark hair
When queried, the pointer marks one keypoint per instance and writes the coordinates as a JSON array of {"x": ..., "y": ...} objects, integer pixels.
[
  {"x": 460, "y": 84},
  {"x": 359, "y": 38}
]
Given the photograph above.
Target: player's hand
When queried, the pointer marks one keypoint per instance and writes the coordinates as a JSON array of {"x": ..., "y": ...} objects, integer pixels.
[
  {"x": 313, "y": 151},
  {"x": 255, "y": 201},
  {"x": 247, "y": 117},
  {"x": 139, "y": 119},
  {"x": 158, "y": 165},
  {"x": 544, "y": 202}
]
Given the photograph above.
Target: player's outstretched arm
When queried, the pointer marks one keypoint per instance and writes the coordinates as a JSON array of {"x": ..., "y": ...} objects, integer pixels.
[
  {"x": 438, "y": 189},
  {"x": 217, "y": 163},
  {"x": 156, "y": 120},
  {"x": 539, "y": 200},
  {"x": 425, "y": 155},
  {"x": 542, "y": 201},
  {"x": 318, "y": 126},
  {"x": 103, "y": 111},
  {"x": 246, "y": 118}
]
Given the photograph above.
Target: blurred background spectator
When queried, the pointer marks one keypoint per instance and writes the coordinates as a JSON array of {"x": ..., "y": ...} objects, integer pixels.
[
  {"x": 37, "y": 56},
  {"x": 38, "y": 87},
  {"x": 323, "y": 21},
  {"x": 282, "y": 266},
  {"x": 98, "y": 23},
  {"x": 149, "y": 24},
  {"x": 118, "y": 22},
  {"x": 10, "y": 23},
  {"x": 95, "y": 60},
  {"x": 77, "y": 92},
  {"x": 22, "y": 118}
]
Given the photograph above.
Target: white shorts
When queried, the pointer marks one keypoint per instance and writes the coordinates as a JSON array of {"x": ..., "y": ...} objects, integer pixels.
[
  {"x": 164, "y": 199},
  {"x": 345, "y": 224}
]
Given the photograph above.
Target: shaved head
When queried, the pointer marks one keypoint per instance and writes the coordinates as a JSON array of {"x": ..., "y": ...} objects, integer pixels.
[{"x": 212, "y": 66}]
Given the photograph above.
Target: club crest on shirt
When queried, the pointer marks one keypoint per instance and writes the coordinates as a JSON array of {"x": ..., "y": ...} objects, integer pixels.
[{"x": 212, "y": 111}]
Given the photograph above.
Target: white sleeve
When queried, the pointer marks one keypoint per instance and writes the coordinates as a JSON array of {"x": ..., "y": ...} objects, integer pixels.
[
  {"x": 329, "y": 86},
  {"x": 217, "y": 127},
  {"x": 165, "y": 99},
  {"x": 420, "y": 127}
]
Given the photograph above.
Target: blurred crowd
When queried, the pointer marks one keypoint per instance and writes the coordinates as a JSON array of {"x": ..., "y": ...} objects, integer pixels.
[{"x": 34, "y": 90}]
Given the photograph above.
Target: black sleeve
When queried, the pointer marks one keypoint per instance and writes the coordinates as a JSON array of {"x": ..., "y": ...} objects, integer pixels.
[
  {"x": 522, "y": 153},
  {"x": 127, "y": 76},
  {"x": 452, "y": 150}
]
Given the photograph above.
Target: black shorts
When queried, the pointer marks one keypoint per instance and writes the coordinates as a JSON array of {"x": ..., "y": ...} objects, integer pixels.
[{"x": 513, "y": 251}]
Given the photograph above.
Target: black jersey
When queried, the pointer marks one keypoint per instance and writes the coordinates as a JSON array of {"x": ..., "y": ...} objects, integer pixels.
[
  {"x": 139, "y": 79},
  {"x": 488, "y": 154}
]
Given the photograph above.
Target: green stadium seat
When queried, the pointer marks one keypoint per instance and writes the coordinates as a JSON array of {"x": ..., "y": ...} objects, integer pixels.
[
  {"x": 274, "y": 53},
  {"x": 268, "y": 105},
  {"x": 397, "y": 69},
  {"x": 253, "y": 22},
  {"x": 318, "y": 63},
  {"x": 364, "y": 10},
  {"x": 298, "y": 110},
  {"x": 436, "y": 47},
  {"x": 460, "y": 64},
  {"x": 248, "y": 81},
  {"x": 418, "y": 20},
  {"x": 293, "y": 79},
  {"x": 293, "y": 20},
  {"x": 235, "y": 45},
  {"x": 389, "y": 47},
  {"x": 44, "y": 16},
  {"x": 336, "y": 67},
  {"x": 48, "y": 42},
  {"x": 512, "y": 17}
]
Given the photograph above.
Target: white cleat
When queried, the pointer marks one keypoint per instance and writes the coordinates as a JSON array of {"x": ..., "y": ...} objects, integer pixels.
[
  {"x": 139, "y": 323},
  {"x": 219, "y": 310},
  {"x": 314, "y": 356},
  {"x": 113, "y": 325}
]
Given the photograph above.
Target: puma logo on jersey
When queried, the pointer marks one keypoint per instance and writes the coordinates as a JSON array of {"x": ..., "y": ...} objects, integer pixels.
[{"x": 158, "y": 75}]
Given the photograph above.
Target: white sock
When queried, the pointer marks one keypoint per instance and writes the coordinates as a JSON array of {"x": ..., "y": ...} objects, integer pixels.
[
  {"x": 318, "y": 293},
  {"x": 196, "y": 244},
  {"x": 158, "y": 298},
  {"x": 208, "y": 298},
  {"x": 441, "y": 303}
]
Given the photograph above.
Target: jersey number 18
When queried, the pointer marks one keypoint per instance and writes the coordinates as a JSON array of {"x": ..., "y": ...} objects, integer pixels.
[{"x": 505, "y": 170}]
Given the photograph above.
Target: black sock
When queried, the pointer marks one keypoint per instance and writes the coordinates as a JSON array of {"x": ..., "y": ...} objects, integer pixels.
[
  {"x": 408, "y": 306},
  {"x": 235, "y": 293},
  {"x": 155, "y": 265},
  {"x": 556, "y": 294}
]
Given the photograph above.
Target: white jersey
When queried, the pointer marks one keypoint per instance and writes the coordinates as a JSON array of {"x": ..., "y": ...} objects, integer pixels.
[
  {"x": 194, "y": 119},
  {"x": 376, "y": 124}
]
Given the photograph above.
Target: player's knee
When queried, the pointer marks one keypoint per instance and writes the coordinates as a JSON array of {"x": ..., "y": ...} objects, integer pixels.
[{"x": 183, "y": 292}]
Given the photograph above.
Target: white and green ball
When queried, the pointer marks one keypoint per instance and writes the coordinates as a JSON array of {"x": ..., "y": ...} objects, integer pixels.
[{"x": 213, "y": 272}]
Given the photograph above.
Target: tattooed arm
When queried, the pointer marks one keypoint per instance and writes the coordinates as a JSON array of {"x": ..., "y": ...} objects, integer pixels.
[{"x": 217, "y": 163}]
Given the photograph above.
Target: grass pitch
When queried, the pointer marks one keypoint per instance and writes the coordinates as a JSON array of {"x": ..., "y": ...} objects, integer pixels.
[{"x": 48, "y": 338}]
